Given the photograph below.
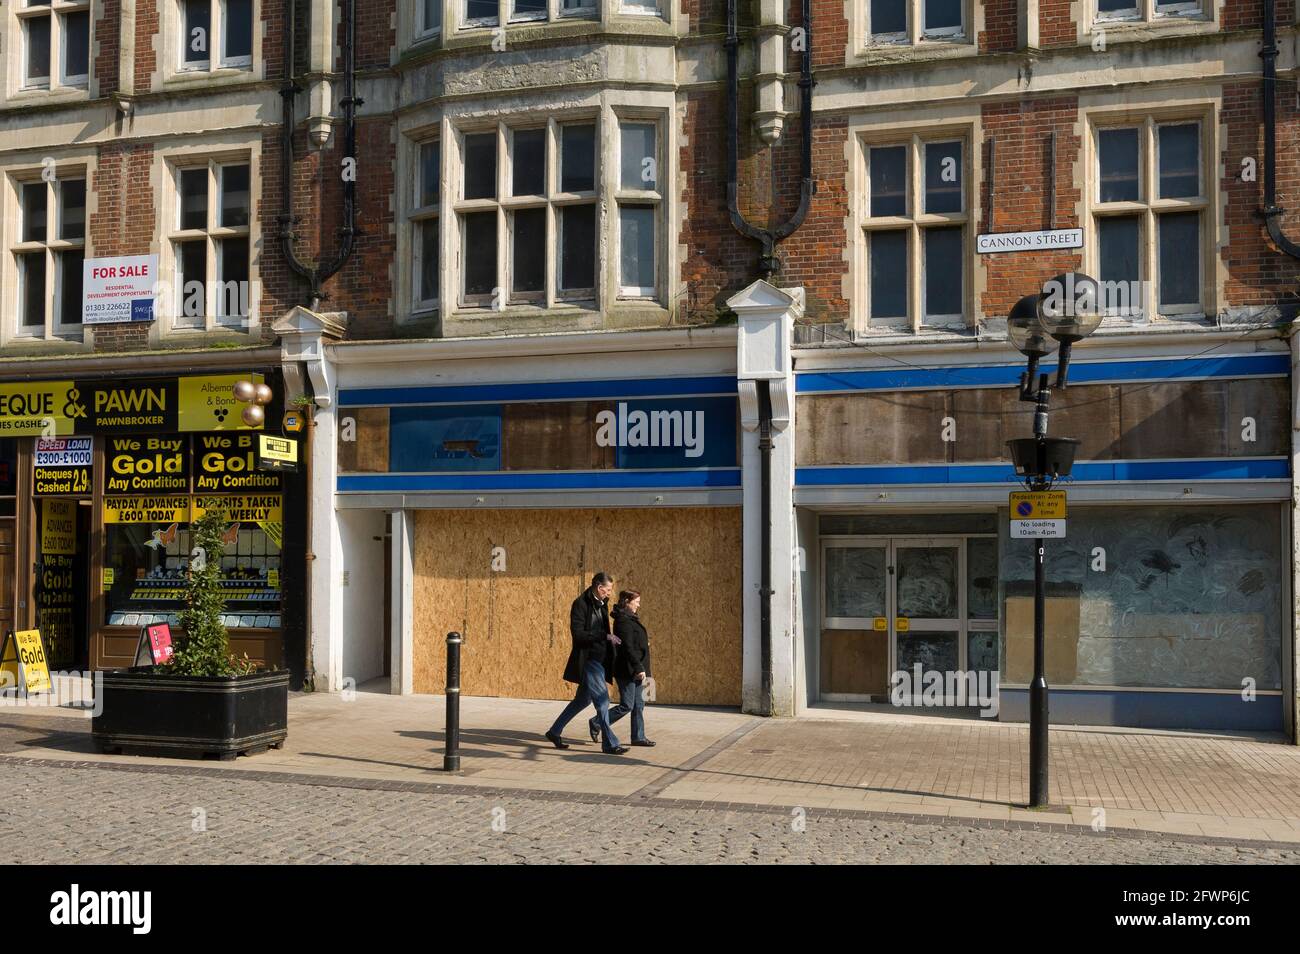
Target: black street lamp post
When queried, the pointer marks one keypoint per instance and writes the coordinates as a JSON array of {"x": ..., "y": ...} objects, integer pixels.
[{"x": 1066, "y": 311}]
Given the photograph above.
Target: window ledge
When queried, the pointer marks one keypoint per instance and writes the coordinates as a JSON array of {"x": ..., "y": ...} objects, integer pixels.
[
  {"x": 882, "y": 54},
  {"x": 42, "y": 96},
  {"x": 1131, "y": 31},
  {"x": 224, "y": 76}
]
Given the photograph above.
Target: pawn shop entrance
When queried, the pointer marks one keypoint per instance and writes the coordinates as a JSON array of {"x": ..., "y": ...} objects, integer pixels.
[
  {"x": 890, "y": 603},
  {"x": 61, "y": 581}
]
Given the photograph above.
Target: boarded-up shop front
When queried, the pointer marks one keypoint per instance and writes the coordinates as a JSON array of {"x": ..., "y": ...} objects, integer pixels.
[
  {"x": 506, "y": 579},
  {"x": 1166, "y": 600},
  {"x": 506, "y": 498}
]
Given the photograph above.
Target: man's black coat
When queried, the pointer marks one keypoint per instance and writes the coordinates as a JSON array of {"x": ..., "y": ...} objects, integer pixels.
[{"x": 589, "y": 628}]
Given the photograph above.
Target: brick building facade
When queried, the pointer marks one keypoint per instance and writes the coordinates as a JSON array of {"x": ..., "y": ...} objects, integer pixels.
[{"x": 541, "y": 200}]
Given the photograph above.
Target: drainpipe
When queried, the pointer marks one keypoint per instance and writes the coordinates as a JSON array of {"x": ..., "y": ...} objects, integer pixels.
[
  {"x": 765, "y": 544},
  {"x": 316, "y": 276},
  {"x": 767, "y": 238},
  {"x": 1272, "y": 211}
]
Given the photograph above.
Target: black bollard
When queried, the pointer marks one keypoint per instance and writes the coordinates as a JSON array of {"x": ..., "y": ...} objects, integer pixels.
[{"x": 451, "y": 758}]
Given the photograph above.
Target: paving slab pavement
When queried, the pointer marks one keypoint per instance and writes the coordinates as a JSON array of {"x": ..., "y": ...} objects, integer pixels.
[{"x": 1184, "y": 784}]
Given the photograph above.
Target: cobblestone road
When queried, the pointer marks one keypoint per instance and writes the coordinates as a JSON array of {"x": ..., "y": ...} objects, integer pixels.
[{"x": 91, "y": 815}]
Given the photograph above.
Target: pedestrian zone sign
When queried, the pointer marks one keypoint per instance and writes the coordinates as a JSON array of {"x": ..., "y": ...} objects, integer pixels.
[{"x": 1039, "y": 513}]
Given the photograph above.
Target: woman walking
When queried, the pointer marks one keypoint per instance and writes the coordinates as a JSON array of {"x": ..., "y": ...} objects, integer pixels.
[{"x": 631, "y": 666}]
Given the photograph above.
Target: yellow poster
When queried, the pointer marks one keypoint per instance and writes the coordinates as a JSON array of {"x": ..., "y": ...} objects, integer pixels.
[
  {"x": 275, "y": 531},
  {"x": 25, "y": 650},
  {"x": 110, "y": 577},
  {"x": 243, "y": 508},
  {"x": 208, "y": 403},
  {"x": 164, "y": 510},
  {"x": 39, "y": 408},
  {"x": 59, "y": 527}
]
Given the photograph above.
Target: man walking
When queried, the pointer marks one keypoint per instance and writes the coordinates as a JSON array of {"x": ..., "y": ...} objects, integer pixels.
[{"x": 591, "y": 662}]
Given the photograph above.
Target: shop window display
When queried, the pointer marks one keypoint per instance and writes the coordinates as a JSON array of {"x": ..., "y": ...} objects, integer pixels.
[{"x": 145, "y": 575}]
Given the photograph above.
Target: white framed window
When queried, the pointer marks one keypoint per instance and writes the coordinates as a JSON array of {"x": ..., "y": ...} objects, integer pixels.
[
  {"x": 640, "y": 203},
  {"x": 49, "y": 251},
  {"x": 214, "y": 34},
  {"x": 478, "y": 14},
  {"x": 1146, "y": 10},
  {"x": 209, "y": 239},
  {"x": 526, "y": 213},
  {"x": 915, "y": 220},
  {"x": 640, "y": 8},
  {"x": 915, "y": 21},
  {"x": 1148, "y": 202},
  {"x": 53, "y": 43},
  {"x": 425, "y": 228}
]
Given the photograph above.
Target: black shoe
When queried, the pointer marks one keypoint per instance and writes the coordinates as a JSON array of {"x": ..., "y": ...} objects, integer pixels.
[
  {"x": 556, "y": 741},
  {"x": 618, "y": 751},
  {"x": 594, "y": 729},
  {"x": 644, "y": 742}
]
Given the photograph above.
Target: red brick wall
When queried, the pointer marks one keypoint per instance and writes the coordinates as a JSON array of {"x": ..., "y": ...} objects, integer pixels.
[
  {"x": 106, "y": 36},
  {"x": 1020, "y": 176},
  {"x": 1055, "y": 25},
  {"x": 147, "y": 24},
  {"x": 1257, "y": 273},
  {"x": 1001, "y": 26}
]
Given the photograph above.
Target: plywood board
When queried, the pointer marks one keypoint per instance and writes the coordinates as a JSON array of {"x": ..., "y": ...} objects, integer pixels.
[
  {"x": 855, "y": 661},
  {"x": 686, "y": 563},
  {"x": 892, "y": 428},
  {"x": 1061, "y": 639},
  {"x": 553, "y": 436},
  {"x": 368, "y": 452}
]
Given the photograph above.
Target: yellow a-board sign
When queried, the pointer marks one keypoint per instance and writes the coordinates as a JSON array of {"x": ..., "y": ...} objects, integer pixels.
[{"x": 22, "y": 655}]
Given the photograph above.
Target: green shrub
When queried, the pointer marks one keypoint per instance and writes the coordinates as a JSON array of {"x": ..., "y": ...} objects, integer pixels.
[{"x": 204, "y": 647}]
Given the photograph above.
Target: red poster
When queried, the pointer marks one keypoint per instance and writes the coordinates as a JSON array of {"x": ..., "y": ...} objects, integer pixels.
[{"x": 160, "y": 643}]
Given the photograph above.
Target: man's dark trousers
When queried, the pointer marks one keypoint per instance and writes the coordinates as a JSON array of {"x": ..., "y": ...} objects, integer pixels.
[{"x": 592, "y": 692}]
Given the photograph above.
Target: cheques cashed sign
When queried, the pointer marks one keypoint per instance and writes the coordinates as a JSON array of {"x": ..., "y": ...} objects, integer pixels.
[{"x": 58, "y": 408}]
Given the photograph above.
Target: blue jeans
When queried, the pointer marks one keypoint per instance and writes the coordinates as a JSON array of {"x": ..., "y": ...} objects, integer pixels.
[
  {"x": 630, "y": 699},
  {"x": 591, "y": 692}
]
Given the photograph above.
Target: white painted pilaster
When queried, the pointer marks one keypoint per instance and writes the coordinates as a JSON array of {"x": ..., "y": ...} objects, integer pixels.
[
  {"x": 766, "y": 317},
  {"x": 402, "y": 603},
  {"x": 303, "y": 334}
]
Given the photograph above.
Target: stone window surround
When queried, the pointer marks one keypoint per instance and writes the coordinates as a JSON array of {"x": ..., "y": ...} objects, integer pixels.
[
  {"x": 948, "y": 126},
  {"x": 862, "y": 49},
  {"x": 80, "y": 166},
  {"x": 167, "y": 45},
  {"x": 13, "y": 53},
  {"x": 1182, "y": 19},
  {"x": 601, "y": 12},
  {"x": 167, "y": 162},
  {"x": 1146, "y": 119},
  {"x": 608, "y": 109}
]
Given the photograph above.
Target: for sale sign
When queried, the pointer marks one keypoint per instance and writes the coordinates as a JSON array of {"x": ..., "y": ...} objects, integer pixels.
[{"x": 119, "y": 289}]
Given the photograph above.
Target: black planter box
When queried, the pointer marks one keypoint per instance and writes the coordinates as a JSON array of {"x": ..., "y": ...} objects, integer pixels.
[{"x": 143, "y": 709}]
